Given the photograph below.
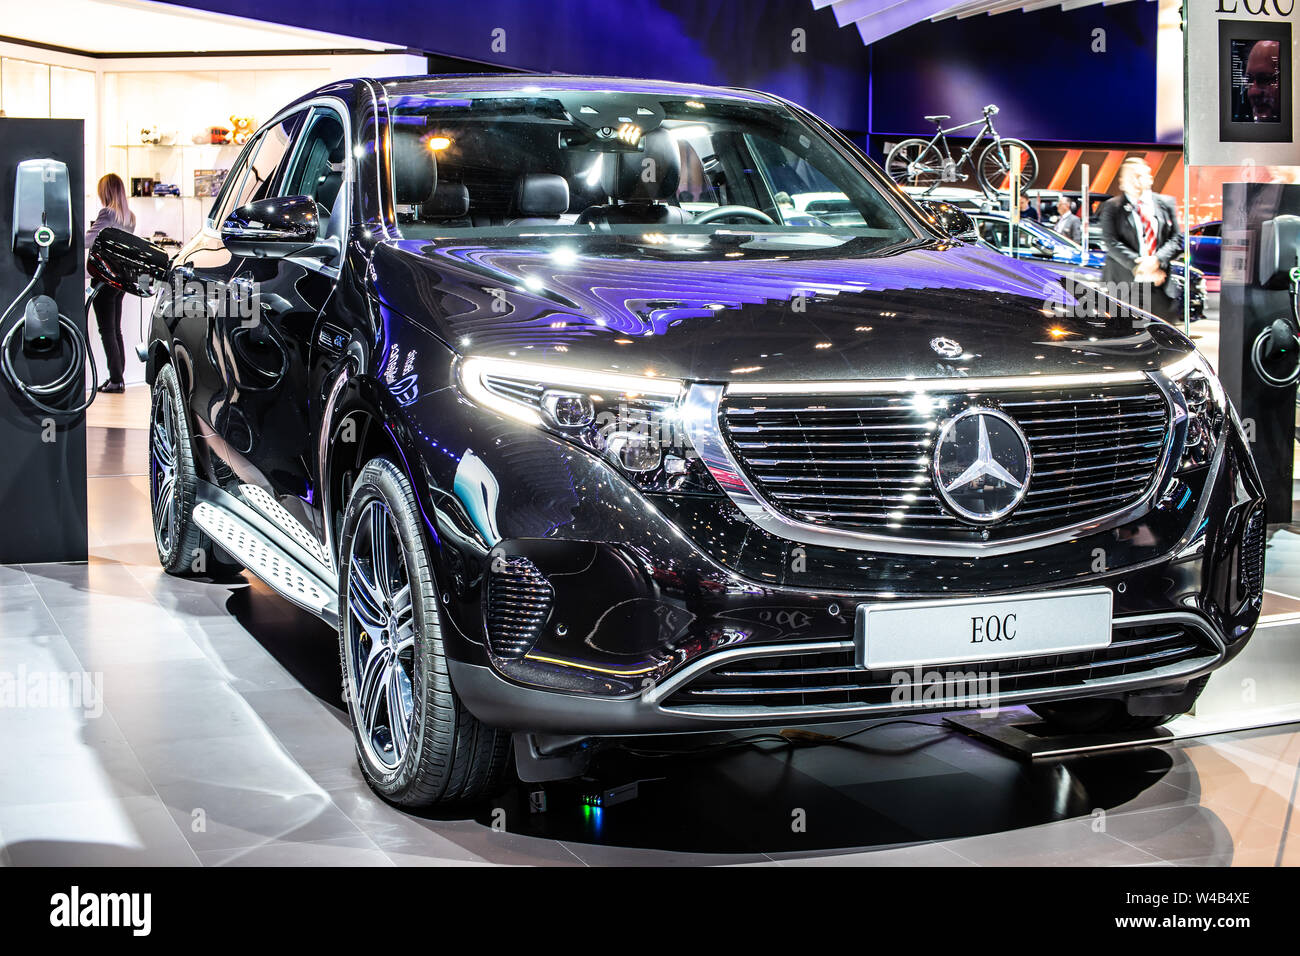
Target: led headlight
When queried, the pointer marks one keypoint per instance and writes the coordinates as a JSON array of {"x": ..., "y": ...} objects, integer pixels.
[
  {"x": 632, "y": 421},
  {"x": 1206, "y": 408}
]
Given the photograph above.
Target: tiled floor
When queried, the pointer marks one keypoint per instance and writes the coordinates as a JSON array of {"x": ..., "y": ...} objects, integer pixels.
[{"x": 221, "y": 740}]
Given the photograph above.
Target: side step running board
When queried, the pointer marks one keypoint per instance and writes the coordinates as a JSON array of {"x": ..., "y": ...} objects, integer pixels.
[{"x": 284, "y": 565}]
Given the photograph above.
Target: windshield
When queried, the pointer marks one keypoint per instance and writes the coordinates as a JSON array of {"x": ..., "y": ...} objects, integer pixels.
[{"x": 620, "y": 162}]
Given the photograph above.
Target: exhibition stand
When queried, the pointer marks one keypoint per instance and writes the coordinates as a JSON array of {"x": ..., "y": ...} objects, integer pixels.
[{"x": 43, "y": 483}]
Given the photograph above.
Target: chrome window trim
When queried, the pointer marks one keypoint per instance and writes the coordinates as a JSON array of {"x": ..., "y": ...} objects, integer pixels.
[
  {"x": 212, "y": 228},
  {"x": 701, "y": 411},
  {"x": 1164, "y": 673}
]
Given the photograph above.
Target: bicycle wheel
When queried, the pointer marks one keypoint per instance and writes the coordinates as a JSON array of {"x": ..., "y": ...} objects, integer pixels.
[
  {"x": 914, "y": 162},
  {"x": 994, "y": 166}
]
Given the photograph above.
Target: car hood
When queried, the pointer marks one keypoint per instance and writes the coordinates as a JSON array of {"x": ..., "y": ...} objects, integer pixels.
[{"x": 761, "y": 307}]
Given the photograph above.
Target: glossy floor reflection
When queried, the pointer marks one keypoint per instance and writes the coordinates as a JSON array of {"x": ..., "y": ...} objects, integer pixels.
[{"x": 220, "y": 739}]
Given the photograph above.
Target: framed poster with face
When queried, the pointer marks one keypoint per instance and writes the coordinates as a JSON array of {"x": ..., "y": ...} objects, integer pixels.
[{"x": 1255, "y": 82}]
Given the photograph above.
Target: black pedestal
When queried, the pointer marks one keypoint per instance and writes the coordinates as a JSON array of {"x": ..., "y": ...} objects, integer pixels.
[
  {"x": 42, "y": 458},
  {"x": 1245, "y": 309}
]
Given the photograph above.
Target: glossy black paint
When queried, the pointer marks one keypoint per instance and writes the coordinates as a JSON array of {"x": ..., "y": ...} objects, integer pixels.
[
  {"x": 278, "y": 226},
  {"x": 354, "y": 355},
  {"x": 127, "y": 262},
  {"x": 951, "y": 219}
]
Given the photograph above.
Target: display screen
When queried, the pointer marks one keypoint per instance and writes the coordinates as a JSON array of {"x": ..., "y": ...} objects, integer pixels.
[{"x": 1254, "y": 82}]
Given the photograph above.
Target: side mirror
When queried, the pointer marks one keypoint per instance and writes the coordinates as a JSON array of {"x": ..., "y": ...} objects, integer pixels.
[
  {"x": 950, "y": 219},
  {"x": 276, "y": 227},
  {"x": 126, "y": 262}
]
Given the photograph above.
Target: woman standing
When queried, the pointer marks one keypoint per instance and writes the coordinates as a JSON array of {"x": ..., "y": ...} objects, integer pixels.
[{"x": 108, "y": 303}]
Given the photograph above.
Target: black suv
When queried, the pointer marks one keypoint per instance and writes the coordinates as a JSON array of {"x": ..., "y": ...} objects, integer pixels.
[{"x": 557, "y": 396}]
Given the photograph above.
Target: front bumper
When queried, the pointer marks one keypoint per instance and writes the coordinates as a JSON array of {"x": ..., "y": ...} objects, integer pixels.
[
  {"x": 1192, "y": 649},
  {"x": 662, "y": 612}
]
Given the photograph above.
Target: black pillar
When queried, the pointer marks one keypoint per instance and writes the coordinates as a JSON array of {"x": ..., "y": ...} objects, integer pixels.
[
  {"x": 42, "y": 457},
  {"x": 1245, "y": 309}
]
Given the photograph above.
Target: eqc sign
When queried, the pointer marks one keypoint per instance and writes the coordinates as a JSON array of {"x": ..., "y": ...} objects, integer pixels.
[{"x": 1260, "y": 8}]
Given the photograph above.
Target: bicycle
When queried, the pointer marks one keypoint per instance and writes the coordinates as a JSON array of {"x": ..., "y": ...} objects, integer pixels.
[{"x": 920, "y": 162}]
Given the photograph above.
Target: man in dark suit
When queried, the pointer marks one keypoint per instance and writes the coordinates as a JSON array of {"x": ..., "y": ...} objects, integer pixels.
[{"x": 1140, "y": 231}]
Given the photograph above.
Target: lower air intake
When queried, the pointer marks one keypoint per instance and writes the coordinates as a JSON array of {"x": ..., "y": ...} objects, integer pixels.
[
  {"x": 1252, "y": 556},
  {"x": 518, "y": 604}
]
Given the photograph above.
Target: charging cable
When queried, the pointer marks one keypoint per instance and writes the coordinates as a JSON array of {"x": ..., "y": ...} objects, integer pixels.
[
  {"x": 1280, "y": 338},
  {"x": 42, "y": 395}
]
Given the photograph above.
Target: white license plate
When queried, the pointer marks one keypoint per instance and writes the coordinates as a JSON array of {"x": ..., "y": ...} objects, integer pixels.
[{"x": 907, "y": 633}]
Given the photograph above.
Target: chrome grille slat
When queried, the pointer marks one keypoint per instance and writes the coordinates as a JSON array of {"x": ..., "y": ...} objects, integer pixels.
[
  {"x": 805, "y": 678},
  {"x": 752, "y": 429},
  {"x": 1152, "y": 658},
  {"x": 832, "y": 444},
  {"x": 1152, "y": 413},
  {"x": 1144, "y": 446},
  {"x": 1084, "y": 400},
  {"x": 1076, "y": 436},
  {"x": 862, "y": 462}
]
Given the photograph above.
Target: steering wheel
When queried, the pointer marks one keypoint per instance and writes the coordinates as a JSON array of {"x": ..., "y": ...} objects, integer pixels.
[{"x": 726, "y": 212}]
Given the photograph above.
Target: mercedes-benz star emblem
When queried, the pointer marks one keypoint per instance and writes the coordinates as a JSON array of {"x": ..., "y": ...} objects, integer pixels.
[
  {"x": 946, "y": 347},
  {"x": 981, "y": 465}
]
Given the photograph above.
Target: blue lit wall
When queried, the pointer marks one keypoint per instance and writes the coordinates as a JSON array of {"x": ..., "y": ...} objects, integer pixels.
[
  {"x": 724, "y": 42},
  {"x": 1038, "y": 67}
]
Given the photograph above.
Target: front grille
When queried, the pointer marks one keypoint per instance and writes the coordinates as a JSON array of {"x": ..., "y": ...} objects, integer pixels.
[
  {"x": 518, "y": 604},
  {"x": 862, "y": 462},
  {"x": 829, "y": 678}
]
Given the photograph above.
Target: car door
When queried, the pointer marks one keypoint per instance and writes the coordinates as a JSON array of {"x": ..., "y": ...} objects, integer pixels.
[
  {"x": 269, "y": 355},
  {"x": 207, "y": 300}
]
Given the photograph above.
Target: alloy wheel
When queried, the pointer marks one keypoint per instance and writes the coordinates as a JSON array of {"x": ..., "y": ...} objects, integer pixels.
[
  {"x": 163, "y": 471},
  {"x": 380, "y": 638}
]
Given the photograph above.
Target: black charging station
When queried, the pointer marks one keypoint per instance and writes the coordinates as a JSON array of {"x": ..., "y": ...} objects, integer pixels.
[
  {"x": 1259, "y": 347},
  {"x": 43, "y": 475}
]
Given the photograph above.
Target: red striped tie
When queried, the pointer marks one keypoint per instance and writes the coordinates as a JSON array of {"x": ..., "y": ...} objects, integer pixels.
[{"x": 1148, "y": 231}]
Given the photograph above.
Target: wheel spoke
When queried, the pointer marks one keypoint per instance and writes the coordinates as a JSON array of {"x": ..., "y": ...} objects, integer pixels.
[
  {"x": 162, "y": 511},
  {"x": 399, "y": 708},
  {"x": 372, "y": 688},
  {"x": 169, "y": 425},
  {"x": 379, "y": 548},
  {"x": 403, "y": 620},
  {"x": 162, "y": 446},
  {"x": 365, "y": 602}
]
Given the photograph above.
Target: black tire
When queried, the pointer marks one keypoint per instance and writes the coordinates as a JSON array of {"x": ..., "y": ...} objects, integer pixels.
[
  {"x": 994, "y": 165},
  {"x": 1097, "y": 716},
  {"x": 183, "y": 549},
  {"x": 914, "y": 162},
  {"x": 439, "y": 753}
]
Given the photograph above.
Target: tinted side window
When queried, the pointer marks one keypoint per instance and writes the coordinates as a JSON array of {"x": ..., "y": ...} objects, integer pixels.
[
  {"x": 233, "y": 187},
  {"x": 268, "y": 163},
  {"x": 994, "y": 232},
  {"x": 319, "y": 166}
]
